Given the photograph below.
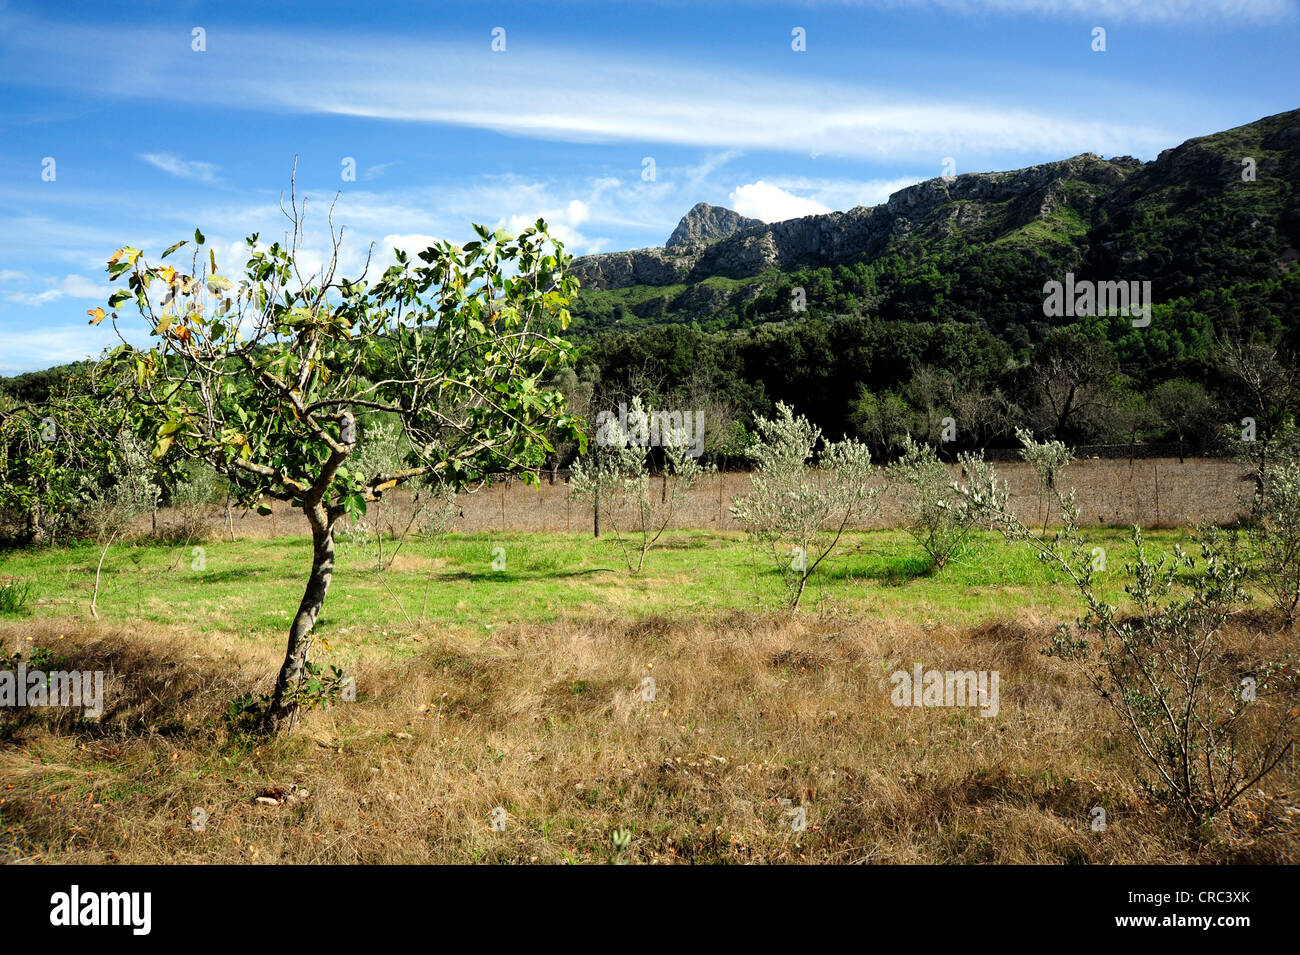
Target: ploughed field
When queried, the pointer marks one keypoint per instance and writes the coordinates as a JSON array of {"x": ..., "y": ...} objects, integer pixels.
[{"x": 520, "y": 697}]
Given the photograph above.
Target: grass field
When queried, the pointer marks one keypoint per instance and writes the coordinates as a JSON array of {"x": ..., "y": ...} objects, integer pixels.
[{"x": 519, "y": 692}]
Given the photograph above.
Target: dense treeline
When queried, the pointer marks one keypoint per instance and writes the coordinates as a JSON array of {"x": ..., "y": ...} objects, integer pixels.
[{"x": 880, "y": 376}]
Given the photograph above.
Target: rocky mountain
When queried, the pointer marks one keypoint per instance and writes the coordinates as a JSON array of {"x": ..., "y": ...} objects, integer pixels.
[
  {"x": 1187, "y": 220},
  {"x": 705, "y": 224}
]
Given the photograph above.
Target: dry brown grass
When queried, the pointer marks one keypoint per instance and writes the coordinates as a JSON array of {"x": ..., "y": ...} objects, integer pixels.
[{"x": 547, "y": 721}]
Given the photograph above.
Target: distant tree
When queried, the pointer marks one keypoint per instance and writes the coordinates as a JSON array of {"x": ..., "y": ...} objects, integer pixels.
[
  {"x": 882, "y": 421},
  {"x": 1184, "y": 407},
  {"x": 1130, "y": 416},
  {"x": 1071, "y": 380},
  {"x": 616, "y": 472},
  {"x": 1267, "y": 386}
]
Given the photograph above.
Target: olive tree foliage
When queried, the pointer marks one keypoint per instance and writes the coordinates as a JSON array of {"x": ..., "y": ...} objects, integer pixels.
[
  {"x": 1047, "y": 458},
  {"x": 1273, "y": 534},
  {"x": 432, "y": 506},
  {"x": 797, "y": 511},
  {"x": 933, "y": 512},
  {"x": 192, "y": 494},
  {"x": 1207, "y": 724},
  {"x": 110, "y": 503},
  {"x": 616, "y": 471},
  {"x": 262, "y": 374}
]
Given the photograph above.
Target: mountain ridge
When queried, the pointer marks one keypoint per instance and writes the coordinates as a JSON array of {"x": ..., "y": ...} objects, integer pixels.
[{"x": 1084, "y": 214}]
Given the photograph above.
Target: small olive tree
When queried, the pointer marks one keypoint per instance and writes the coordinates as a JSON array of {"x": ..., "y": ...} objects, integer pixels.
[
  {"x": 617, "y": 472},
  {"x": 1274, "y": 537},
  {"x": 1209, "y": 725},
  {"x": 112, "y": 502},
  {"x": 931, "y": 507},
  {"x": 262, "y": 374},
  {"x": 797, "y": 512},
  {"x": 1047, "y": 458}
]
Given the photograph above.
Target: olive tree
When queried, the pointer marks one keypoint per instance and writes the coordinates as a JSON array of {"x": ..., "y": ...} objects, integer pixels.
[
  {"x": 1207, "y": 720},
  {"x": 262, "y": 374},
  {"x": 1274, "y": 536},
  {"x": 1047, "y": 458},
  {"x": 798, "y": 511},
  {"x": 932, "y": 508},
  {"x": 617, "y": 471}
]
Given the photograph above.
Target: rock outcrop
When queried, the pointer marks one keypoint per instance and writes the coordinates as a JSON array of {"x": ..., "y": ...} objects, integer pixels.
[{"x": 705, "y": 224}]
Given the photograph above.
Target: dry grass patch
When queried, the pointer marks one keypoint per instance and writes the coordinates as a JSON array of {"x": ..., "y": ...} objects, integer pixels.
[{"x": 752, "y": 717}]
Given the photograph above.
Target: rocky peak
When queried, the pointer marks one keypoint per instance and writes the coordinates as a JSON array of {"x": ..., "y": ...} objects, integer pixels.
[{"x": 704, "y": 224}]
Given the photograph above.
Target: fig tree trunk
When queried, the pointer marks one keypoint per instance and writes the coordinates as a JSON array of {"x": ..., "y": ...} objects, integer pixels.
[{"x": 283, "y": 702}]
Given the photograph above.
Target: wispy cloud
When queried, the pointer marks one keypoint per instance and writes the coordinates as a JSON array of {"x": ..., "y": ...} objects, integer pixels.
[
  {"x": 54, "y": 344},
  {"x": 582, "y": 96},
  {"x": 182, "y": 168}
]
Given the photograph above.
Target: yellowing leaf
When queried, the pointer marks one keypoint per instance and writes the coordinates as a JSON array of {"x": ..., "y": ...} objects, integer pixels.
[{"x": 96, "y": 315}]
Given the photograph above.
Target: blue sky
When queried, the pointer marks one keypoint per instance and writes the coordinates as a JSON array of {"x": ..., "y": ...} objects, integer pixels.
[{"x": 151, "y": 138}]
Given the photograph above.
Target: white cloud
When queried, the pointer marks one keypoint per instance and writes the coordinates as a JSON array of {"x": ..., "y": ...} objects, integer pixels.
[
  {"x": 71, "y": 286},
  {"x": 759, "y": 200},
  {"x": 843, "y": 194},
  {"x": 182, "y": 168},
  {"x": 11, "y": 275},
  {"x": 52, "y": 345}
]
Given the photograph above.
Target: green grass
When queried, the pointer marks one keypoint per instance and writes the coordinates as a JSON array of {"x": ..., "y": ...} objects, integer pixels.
[
  {"x": 15, "y": 597},
  {"x": 253, "y": 586}
]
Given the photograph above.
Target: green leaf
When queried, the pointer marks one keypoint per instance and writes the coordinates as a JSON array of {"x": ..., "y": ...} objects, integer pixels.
[
  {"x": 198, "y": 237},
  {"x": 172, "y": 248}
]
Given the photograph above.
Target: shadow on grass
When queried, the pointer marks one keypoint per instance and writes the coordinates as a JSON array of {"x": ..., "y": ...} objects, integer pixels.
[
  {"x": 147, "y": 690},
  {"x": 510, "y": 576},
  {"x": 226, "y": 576}
]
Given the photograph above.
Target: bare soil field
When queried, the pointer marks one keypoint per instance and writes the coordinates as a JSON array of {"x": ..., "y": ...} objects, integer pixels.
[{"x": 1152, "y": 492}]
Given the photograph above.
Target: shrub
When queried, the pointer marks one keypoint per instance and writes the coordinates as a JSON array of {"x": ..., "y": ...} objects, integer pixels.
[
  {"x": 15, "y": 596},
  {"x": 197, "y": 490},
  {"x": 111, "y": 507}
]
